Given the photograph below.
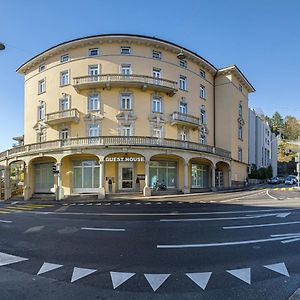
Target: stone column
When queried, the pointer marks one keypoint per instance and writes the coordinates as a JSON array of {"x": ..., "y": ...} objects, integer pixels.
[
  {"x": 186, "y": 188},
  {"x": 101, "y": 191},
  {"x": 213, "y": 178},
  {"x": 27, "y": 192},
  {"x": 7, "y": 187},
  {"x": 147, "y": 188},
  {"x": 59, "y": 193},
  {"x": 229, "y": 178}
]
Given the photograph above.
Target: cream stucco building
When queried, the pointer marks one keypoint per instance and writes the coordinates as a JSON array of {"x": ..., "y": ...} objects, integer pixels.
[{"x": 127, "y": 113}]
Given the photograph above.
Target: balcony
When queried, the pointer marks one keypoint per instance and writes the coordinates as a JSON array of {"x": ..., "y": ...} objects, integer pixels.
[
  {"x": 127, "y": 80},
  {"x": 111, "y": 141},
  {"x": 64, "y": 116},
  {"x": 177, "y": 118}
]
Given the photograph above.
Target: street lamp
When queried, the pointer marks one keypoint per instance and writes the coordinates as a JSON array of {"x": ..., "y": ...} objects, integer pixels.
[{"x": 2, "y": 46}]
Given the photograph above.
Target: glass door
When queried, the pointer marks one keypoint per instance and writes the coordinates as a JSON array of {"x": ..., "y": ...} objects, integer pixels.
[
  {"x": 43, "y": 178},
  {"x": 126, "y": 175}
]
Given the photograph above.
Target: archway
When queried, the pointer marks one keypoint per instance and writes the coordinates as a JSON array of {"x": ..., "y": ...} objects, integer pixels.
[{"x": 222, "y": 178}]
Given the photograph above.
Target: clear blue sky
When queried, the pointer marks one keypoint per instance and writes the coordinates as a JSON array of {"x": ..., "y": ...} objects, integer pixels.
[{"x": 262, "y": 37}]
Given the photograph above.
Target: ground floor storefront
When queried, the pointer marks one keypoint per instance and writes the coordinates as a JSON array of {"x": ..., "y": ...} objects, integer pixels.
[{"x": 145, "y": 171}]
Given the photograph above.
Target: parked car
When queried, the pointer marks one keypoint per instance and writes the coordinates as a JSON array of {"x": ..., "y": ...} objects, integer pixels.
[
  {"x": 273, "y": 180},
  {"x": 290, "y": 180},
  {"x": 281, "y": 179}
]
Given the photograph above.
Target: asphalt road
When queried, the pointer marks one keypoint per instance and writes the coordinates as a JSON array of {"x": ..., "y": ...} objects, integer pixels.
[{"x": 242, "y": 245}]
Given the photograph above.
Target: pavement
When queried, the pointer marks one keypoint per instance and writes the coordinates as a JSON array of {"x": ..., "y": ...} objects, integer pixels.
[{"x": 220, "y": 246}]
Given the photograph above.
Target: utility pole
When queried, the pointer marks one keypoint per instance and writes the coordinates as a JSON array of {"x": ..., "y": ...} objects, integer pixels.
[{"x": 298, "y": 165}]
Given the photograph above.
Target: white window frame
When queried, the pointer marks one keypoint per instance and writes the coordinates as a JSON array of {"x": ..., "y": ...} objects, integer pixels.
[
  {"x": 64, "y": 104},
  {"x": 94, "y": 102},
  {"x": 156, "y": 54},
  {"x": 126, "y": 129},
  {"x": 182, "y": 107},
  {"x": 126, "y": 101},
  {"x": 183, "y": 82},
  {"x": 92, "y": 69},
  {"x": 202, "y": 73},
  {"x": 41, "y": 111},
  {"x": 93, "y": 52},
  {"x": 42, "y": 86},
  {"x": 93, "y": 130},
  {"x": 64, "y": 58},
  {"x": 202, "y": 92},
  {"x": 42, "y": 67},
  {"x": 157, "y": 132},
  {"x": 183, "y": 63},
  {"x": 156, "y": 104},
  {"x": 203, "y": 120},
  {"x": 183, "y": 135},
  {"x": 64, "y": 77},
  {"x": 125, "y": 50},
  {"x": 240, "y": 88},
  {"x": 240, "y": 154},
  {"x": 64, "y": 133},
  {"x": 240, "y": 132},
  {"x": 240, "y": 110},
  {"x": 156, "y": 72},
  {"x": 126, "y": 67},
  {"x": 202, "y": 139}
]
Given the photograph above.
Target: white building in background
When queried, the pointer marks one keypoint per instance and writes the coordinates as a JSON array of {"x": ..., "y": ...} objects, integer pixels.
[{"x": 263, "y": 146}]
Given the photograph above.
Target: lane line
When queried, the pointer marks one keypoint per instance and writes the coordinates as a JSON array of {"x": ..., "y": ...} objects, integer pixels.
[
  {"x": 102, "y": 229},
  {"x": 160, "y": 214},
  {"x": 274, "y": 198},
  {"x": 261, "y": 225},
  {"x": 5, "y": 221}
]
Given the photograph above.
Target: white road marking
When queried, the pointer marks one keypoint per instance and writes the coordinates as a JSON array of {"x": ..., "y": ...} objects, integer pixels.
[
  {"x": 119, "y": 278},
  {"x": 7, "y": 259},
  {"x": 79, "y": 273},
  {"x": 138, "y": 203},
  {"x": 261, "y": 225},
  {"x": 5, "y": 221},
  {"x": 291, "y": 237},
  {"x": 34, "y": 229},
  {"x": 127, "y": 203},
  {"x": 107, "y": 203},
  {"x": 72, "y": 204},
  {"x": 90, "y": 204},
  {"x": 242, "y": 274},
  {"x": 81, "y": 204},
  {"x": 224, "y": 218},
  {"x": 117, "y": 203},
  {"x": 46, "y": 267},
  {"x": 201, "y": 279},
  {"x": 156, "y": 280},
  {"x": 267, "y": 192},
  {"x": 148, "y": 203},
  {"x": 99, "y": 204},
  {"x": 157, "y": 214},
  {"x": 279, "y": 268},
  {"x": 283, "y": 238},
  {"x": 102, "y": 229}
]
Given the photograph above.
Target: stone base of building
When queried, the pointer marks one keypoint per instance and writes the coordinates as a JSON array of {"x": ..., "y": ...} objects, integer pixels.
[
  {"x": 147, "y": 191},
  {"x": 101, "y": 193}
]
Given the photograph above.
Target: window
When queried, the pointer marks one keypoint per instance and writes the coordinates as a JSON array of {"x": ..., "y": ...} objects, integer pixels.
[
  {"x": 157, "y": 132},
  {"x": 41, "y": 136},
  {"x": 183, "y": 107},
  {"x": 183, "y": 63},
  {"x": 202, "y": 139},
  {"x": 156, "y": 54},
  {"x": 240, "y": 87},
  {"x": 202, "y": 92},
  {"x": 240, "y": 134},
  {"x": 125, "y": 50},
  {"x": 42, "y": 67},
  {"x": 93, "y": 70},
  {"x": 126, "y": 130},
  {"x": 240, "y": 111},
  {"x": 64, "y": 58},
  {"x": 202, "y": 73},
  {"x": 125, "y": 69},
  {"x": 182, "y": 83},
  {"x": 64, "y": 104},
  {"x": 240, "y": 154},
  {"x": 94, "y": 52},
  {"x": 93, "y": 130},
  {"x": 64, "y": 78},
  {"x": 42, "y": 86},
  {"x": 183, "y": 135},
  {"x": 41, "y": 111},
  {"x": 126, "y": 101},
  {"x": 203, "y": 116},
  {"x": 156, "y": 104},
  {"x": 156, "y": 72},
  {"x": 93, "y": 102},
  {"x": 65, "y": 133}
]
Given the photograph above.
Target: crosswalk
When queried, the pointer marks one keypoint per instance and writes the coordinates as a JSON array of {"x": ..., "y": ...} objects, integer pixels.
[
  {"x": 22, "y": 208},
  {"x": 155, "y": 281}
]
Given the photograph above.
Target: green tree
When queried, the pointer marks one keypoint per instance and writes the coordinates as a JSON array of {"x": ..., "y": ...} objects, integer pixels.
[
  {"x": 277, "y": 123},
  {"x": 291, "y": 128}
]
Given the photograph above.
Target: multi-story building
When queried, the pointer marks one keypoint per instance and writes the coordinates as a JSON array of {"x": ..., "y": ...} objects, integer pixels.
[
  {"x": 121, "y": 113},
  {"x": 263, "y": 146}
]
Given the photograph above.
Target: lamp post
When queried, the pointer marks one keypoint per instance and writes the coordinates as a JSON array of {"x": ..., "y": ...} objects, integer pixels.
[{"x": 2, "y": 46}]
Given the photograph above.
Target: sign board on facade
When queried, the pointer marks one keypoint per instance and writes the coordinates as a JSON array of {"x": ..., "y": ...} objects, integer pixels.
[{"x": 141, "y": 176}]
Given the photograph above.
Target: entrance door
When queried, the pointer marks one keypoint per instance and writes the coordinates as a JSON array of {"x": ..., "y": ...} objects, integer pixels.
[
  {"x": 219, "y": 179},
  {"x": 43, "y": 178},
  {"x": 126, "y": 176}
]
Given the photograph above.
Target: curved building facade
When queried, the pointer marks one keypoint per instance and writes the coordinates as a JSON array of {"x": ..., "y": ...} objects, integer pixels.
[{"x": 129, "y": 113}]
